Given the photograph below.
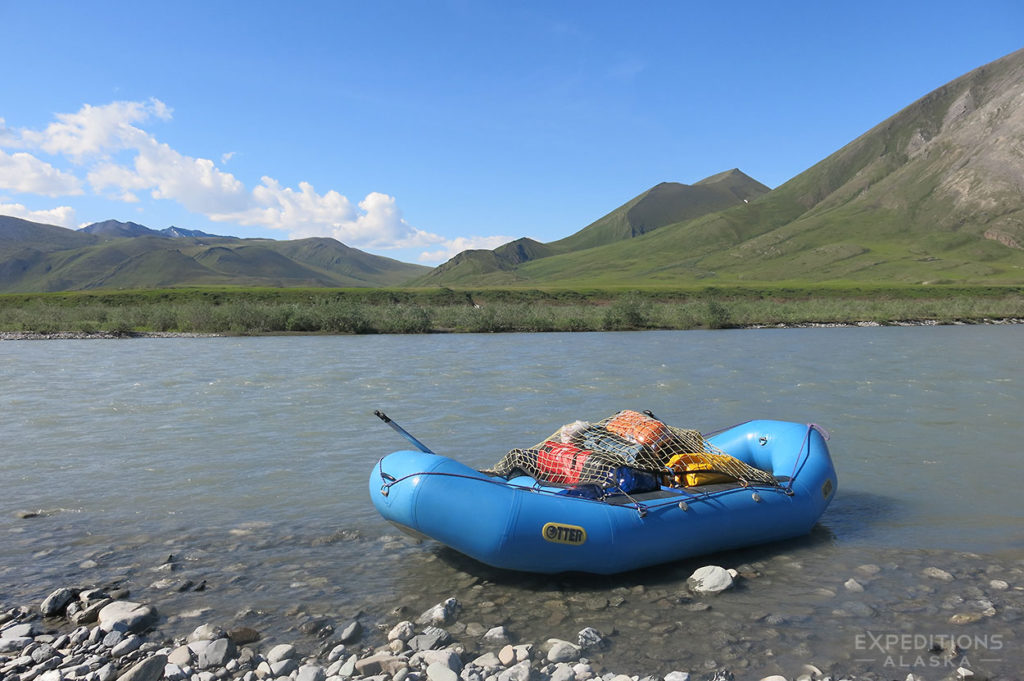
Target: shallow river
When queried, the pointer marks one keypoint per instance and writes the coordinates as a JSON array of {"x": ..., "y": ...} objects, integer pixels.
[{"x": 244, "y": 462}]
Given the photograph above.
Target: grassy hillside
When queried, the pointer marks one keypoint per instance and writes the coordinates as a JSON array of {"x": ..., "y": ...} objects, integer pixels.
[
  {"x": 932, "y": 195},
  {"x": 667, "y": 203},
  {"x": 35, "y": 257}
]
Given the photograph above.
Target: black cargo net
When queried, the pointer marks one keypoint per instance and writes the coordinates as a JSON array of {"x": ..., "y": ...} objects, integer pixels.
[{"x": 629, "y": 449}]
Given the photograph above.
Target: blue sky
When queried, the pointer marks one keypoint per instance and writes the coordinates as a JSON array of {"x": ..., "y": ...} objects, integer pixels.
[{"x": 418, "y": 129}]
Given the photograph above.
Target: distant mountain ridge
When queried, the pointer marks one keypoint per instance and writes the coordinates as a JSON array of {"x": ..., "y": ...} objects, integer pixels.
[
  {"x": 112, "y": 254},
  {"x": 114, "y": 228}
]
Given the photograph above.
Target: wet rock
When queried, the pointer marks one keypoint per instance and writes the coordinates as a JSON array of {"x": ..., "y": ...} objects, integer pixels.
[
  {"x": 56, "y": 603},
  {"x": 88, "y": 614},
  {"x": 853, "y": 585},
  {"x": 710, "y": 580},
  {"x": 677, "y": 676},
  {"x": 441, "y": 614},
  {"x": 351, "y": 632},
  {"x": 126, "y": 616},
  {"x": 497, "y": 635},
  {"x": 590, "y": 638},
  {"x": 937, "y": 573},
  {"x": 243, "y": 635},
  {"x": 562, "y": 651}
]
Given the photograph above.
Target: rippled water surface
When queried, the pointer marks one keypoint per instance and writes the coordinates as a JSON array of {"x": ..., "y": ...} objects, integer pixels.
[{"x": 246, "y": 459}]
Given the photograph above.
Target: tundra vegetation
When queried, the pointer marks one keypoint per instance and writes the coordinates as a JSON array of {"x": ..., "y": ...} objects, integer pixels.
[{"x": 241, "y": 311}]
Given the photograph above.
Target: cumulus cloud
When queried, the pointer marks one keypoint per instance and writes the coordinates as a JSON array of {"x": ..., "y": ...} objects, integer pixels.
[
  {"x": 62, "y": 216},
  {"x": 107, "y": 148},
  {"x": 26, "y": 174},
  {"x": 96, "y": 130}
]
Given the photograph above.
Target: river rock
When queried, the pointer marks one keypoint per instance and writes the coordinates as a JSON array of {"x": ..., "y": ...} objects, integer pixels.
[
  {"x": 432, "y": 637},
  {"x": 519, "y": 672},
  {"x": 488, "y": 660},
  {"x": 937, "y": 573},
  {"x": 217, "y": 653},
  {"x": 310, "y": 672},
  {"x": 590, "y": 638},
  {"x": 448, "y": 658},
  {"x": 284, "y": 651},
  {"x": 440, "y": 615},
  {"x": 150, "y": 669},
  {"x": 677, "y": 676},
  {"x": 55, "y": 604},
  {"x": 243, "y": 635},
  {"x": 205, "y": 632},
  {"x": 853, "y": 585},
  {"x": 126, "y": 616},
  {"x": 563, "y": 672},
  {"x": 89, "y": 613},
  {"x": 284, "y": 667},
  {"x": 710, "y": 580},
  {"x": 24, "y": 630},
  {"x": 128, "y": 645},
  {"x": 377, "y": 664},
  {"x": 351, "y": 632},
  {"x": 562, "y": 651},
  {"x": 403, "y": 631},
  {"x": 180, "y": 656},
  {"x": 440, "y": 672},
  {"x": 497, "y": 635}
]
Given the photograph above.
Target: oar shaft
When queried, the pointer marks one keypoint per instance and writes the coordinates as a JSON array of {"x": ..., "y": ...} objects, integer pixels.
[{"x": 402, "y": 431}]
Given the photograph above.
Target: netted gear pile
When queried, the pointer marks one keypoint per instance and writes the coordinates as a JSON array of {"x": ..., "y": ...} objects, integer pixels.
[{"x": 583, "y": 453}]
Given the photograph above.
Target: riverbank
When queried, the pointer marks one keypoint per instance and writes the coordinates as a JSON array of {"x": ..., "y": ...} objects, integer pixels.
[
  {"x": 108, "y": 335},
  {"x": 414, "y": 311},
  {"x": 102, "y": 632}
]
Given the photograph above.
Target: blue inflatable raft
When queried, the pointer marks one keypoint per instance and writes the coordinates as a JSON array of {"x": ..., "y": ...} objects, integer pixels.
[{"x": 522, "y": 524}]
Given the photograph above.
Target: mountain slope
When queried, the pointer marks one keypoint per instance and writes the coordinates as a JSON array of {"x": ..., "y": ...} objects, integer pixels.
[
  {"x": 664, "y": 204},
  {"x": 35, "y": 257},
  {"x": 933, "y": 194}
]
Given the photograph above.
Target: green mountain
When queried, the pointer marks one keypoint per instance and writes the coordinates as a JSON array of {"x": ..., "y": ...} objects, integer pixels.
[
  {"x": 933, "y": 194},
  {"x": 664, "y": 204},
  {"x": 36, "y": 257}
]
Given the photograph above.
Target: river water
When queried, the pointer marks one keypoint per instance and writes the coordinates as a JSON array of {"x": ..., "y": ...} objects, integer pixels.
[{"x": 239, "y": 466}]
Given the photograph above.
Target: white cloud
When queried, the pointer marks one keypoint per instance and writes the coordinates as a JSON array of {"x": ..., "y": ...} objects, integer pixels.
[
  {"x": 26, "y": 174},
  {"x": 453, "y": 247},
  {"x": 105, "y": 148},
  {"x": 62, "y": 216},
  {"x": 96, "y": 130}
]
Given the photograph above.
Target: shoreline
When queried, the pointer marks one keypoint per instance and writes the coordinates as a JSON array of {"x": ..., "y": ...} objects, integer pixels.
[
  {"x": 98, "y": 634},
  {"x": 110, "y": 335},
  {"x": 935, "y": 616}
]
